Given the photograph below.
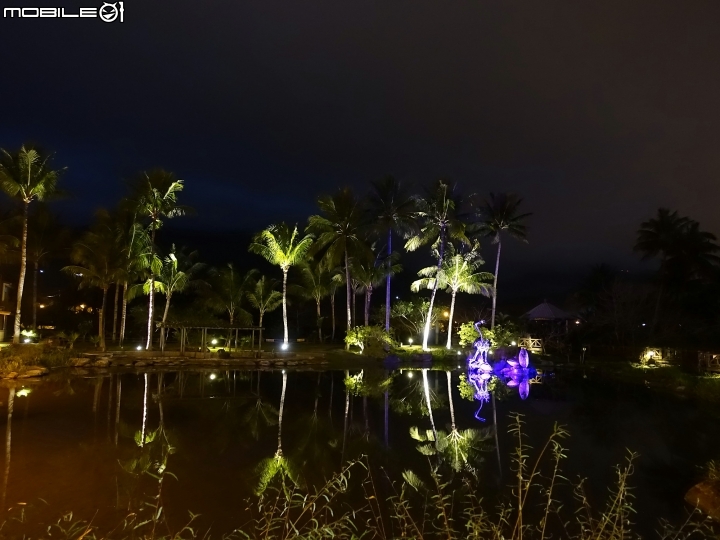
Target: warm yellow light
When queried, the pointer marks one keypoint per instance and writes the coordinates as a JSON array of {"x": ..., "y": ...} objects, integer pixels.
[
  {"x": 82, "y": 306},
  {"x": 23, "y": 392},
  {"x": 447, "y": 314}
]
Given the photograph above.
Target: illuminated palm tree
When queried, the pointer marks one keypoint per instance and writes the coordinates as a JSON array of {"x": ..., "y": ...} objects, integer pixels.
[
  {"x": 154, "y": 199},
  {"x": 96, "y": 262},
  {"x": 339, "y": 230},
  {"x": 282, "y": 246},
  {"x": 458, "y": 273},
  {"x": 438, "y": 212},
  {"x": 27, "y": 176},
  {"x": 265, "y": 299},
  {"x": 133, "y": 245},
  {"x": 500, "y": 215},
  {"x": 177, "y": 275},
  {"x": 391, "y": 209}
]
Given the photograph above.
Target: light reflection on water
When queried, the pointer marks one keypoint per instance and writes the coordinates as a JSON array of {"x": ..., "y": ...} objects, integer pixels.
[{"x": 81, "y": 443}]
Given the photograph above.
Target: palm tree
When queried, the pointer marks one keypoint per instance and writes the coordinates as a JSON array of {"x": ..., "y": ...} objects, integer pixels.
[
  {"x": 227, "y": 291},
  {"x": 96, "y": 262},
  {"x": 155, "y": 198},
  {"x": 265, "y": 299},
  {"x": 282, "y": 246},
  {"x": 176, "y": 276},
  {"x": 391, "y": 209},
  {"x": 500, "y": 216},
  {"x": 369, "y": 273},
  {"x": 316, "y": 284},
  {"x": 339, "y": 230},
  {"x": 660, "y": 237},
  {"x": 458, "y": 273},
  {"x": 438, "y": 212},
  {"x": 45, "y": 237},
  {"x": 133, "y": 245},
  {"x": 27, "y": 176}
]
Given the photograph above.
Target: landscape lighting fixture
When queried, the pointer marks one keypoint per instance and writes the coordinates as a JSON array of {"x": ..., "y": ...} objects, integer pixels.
[{"x": 284, "y": 346}]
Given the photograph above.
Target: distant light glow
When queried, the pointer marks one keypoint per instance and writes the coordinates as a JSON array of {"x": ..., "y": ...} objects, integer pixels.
[
  {"x": 41, "y": 271},
  {"x": 42, "y": 306},
  {"x": 410, "y": 374},
  {"x": 23, "y": 392},
  {"x": 458, "y": 353},
  {"x": 446, "y": 314},
  {"x": 27, "y": 340},
  {"x": 410, "y": 340},
  {"x": 577, "y": 322},
  {"x": 214, "y": 342},
  {"x": 213, "y": 376},
  {"x": 643, "y": 324},
  {"x": 139, "y": 347},
  {"x": 284, "y": 346},
  {"x": 513, "y": 343}
]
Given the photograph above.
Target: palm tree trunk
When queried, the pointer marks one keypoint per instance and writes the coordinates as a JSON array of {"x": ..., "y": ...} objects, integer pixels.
[
  {"x": 285, "y": 323},
  {"x": 151, "y": 301},
  {"x": 349, "y": 300},
  {"x": 260, "y": 339},
  {"x": 427, "y": 402},
  {"x": 656, "y": 313},
  {"x": 165, "y": 314},
  {"x": 368, "y": 295},
  {"x": 115, "y": 311},
  {"x": 387, "y": 284},
  {"x": 354, "y": 300},
  {"x": 497, "y": 269},
  {"x": 319, "y": 323},
  {"x": 35, "y": 288},
  {"x": 428, "y": 322},
  {"x": 332, "y": 309},
  {"x": 452, "y": 408},
  {"x": 450, "y": 320},
  {"x": 280, "y": 414},
  {"x": 21, "y": 278},
  {"x": 124, "y": 313},
  {"x": 101, "y": 330}
]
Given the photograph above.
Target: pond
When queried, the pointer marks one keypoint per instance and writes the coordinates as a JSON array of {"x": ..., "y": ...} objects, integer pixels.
[{"x": 92, "y": 442}]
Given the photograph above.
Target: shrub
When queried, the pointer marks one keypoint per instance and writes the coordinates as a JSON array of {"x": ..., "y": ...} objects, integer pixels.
[{"x": 372, "y": 341}]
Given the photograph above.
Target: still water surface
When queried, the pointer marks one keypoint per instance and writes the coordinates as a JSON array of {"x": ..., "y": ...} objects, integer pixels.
[{"x": 78, "y": 442}]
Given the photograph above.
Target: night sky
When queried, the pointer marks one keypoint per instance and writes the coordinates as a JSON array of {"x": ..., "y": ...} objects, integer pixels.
[{"x": 596, "y": 112}]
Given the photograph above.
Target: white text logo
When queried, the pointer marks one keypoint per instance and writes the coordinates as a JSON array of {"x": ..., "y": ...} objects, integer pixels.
[{"x": 106, "y": 13}]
